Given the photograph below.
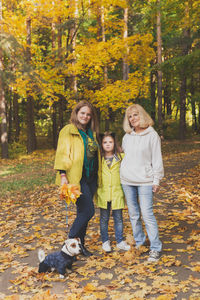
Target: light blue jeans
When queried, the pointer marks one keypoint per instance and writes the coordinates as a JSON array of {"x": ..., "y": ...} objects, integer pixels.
[
  {"x": 140, "y": 201},
  {"x": 118, "y": 223}
]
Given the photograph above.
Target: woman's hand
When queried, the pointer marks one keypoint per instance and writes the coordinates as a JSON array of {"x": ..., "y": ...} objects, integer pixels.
[
  {"x": 63, "y": 179},
  {"x": 156, "y": 188}
]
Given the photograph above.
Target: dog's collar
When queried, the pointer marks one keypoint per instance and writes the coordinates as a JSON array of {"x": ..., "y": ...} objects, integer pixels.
[{"x": 65, "y": 255}]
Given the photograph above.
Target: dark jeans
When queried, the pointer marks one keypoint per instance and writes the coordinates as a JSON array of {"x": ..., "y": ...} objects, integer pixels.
[{"x": 85, "y": 209}]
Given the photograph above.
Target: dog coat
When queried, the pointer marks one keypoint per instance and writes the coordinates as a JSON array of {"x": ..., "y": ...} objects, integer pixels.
[{"x": 58, "y": 260}]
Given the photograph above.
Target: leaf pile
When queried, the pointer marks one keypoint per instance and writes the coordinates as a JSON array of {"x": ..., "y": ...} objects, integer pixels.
[{"x": 37, "y": 219}]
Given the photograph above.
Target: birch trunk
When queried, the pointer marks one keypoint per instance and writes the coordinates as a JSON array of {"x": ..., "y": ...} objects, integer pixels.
[{"x": 3, "y": 120}]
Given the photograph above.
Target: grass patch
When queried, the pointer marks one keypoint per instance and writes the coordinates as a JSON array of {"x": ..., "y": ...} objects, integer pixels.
[
  {"x": 21, "y": 168},
  {"x": 25, "y": 184},
  {"x": 27, "y": 172}
]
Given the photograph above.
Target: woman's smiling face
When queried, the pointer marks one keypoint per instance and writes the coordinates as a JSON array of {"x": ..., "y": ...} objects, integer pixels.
[
  {"x": 84, "y": 116},
  {"x": 134, "y": 119}
]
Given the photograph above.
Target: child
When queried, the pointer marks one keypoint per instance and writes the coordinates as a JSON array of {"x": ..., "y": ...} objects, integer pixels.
[{"x": 110, "y": 193}]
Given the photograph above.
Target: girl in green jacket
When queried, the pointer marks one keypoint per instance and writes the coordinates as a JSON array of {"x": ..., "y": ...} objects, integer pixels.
[{"x": 109, "y": 193}]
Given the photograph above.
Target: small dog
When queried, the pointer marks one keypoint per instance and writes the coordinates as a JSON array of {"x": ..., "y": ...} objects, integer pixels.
[{"x": 60, "y": 260}]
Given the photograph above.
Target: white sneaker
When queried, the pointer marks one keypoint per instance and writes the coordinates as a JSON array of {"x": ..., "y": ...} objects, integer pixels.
[
  {"x": 123, "y": 246},
  {"x": 154, "y": 256},
  {"x": 106, "y": 246}
]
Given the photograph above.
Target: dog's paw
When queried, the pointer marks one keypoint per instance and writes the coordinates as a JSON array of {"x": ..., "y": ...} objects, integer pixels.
[{"x": 61, "y": 276}]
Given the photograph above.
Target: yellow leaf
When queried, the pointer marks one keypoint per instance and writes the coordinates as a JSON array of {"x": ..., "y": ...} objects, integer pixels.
[
  {"x": 105, "y": 276},
  {"x": 89, "y": 287}
]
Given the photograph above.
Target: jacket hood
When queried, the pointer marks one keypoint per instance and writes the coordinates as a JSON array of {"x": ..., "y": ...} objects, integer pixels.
[{"x": 144, "y": 132}]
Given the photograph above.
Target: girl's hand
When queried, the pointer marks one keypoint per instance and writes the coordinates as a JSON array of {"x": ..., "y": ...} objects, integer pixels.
[
  {"x": 63, "y": 179},
  {"x": 156, "y": 188}
]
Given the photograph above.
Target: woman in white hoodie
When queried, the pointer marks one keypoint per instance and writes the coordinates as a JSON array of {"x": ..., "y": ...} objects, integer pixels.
[{"x": 140, "y": 174}]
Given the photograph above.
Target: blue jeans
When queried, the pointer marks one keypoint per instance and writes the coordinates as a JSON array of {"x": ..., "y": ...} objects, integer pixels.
[
  {"x": 118, "y": 223},
  {"x": 140, "y": 201},
  {"x": 85, "y": 209}
]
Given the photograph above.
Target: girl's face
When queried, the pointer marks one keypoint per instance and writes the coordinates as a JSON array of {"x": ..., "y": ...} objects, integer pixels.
[
  {"x": 84, "y": 116},
  {"x": 108, "y": 144},
  {"x": 134, "y": 119}
]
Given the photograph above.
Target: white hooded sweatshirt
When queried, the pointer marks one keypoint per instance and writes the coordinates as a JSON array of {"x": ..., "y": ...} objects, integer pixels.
[{"x": 142, "y": 163}]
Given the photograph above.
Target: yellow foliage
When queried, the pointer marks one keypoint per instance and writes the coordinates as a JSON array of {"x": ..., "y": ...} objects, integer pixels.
[
  {"x": 69, "y": 193},
  {"x": 45, "y": 77}
]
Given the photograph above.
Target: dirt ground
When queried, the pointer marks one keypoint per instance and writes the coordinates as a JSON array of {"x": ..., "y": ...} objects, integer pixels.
[{"x": 38, "y": 220}]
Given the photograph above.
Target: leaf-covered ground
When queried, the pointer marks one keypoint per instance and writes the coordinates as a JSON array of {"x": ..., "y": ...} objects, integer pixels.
[{"x": 32, "y": 216}]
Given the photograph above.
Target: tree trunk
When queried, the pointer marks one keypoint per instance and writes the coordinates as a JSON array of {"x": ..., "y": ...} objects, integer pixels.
[
  {"x": 159, "y": 61},
  {"x": 10, "y": 116},
  {"x": 153, "y": 95},
  {"x": 182, "y": 123},
  {"x": 167, "y": 96},
  {"x": 104, "y": 39},
  {"x": 3, "y": 120},
  {"x": 71, "y": 80},
  {"x": 60, "y": 114},
  {"x": 125, "y": 67},
  {"x": 31, "y": 137},
  {"x": 55, "y": 128},
  {"x": 186, "y": 45},
  {"x": 99, "y": 27},
  {"x": 16, "y": 116},
  {"x": 73, "y": 83},
  {"x": 60, "y": 103},
  {"x": 193, "y": 104},
  {"x": 194, "y": 117},
  {"x": 54, "y": 106},
  {"x": 183, "y": 87}
]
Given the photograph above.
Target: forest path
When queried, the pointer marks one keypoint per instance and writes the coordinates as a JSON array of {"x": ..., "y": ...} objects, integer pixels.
[{"x": 36, "y": 219}]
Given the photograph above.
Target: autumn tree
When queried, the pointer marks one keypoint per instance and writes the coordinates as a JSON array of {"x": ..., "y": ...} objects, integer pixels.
[{"x": 107, "y": 52}]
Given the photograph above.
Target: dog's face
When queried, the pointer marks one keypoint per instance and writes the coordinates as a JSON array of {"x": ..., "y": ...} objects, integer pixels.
[{"x": 72, "y": 246}]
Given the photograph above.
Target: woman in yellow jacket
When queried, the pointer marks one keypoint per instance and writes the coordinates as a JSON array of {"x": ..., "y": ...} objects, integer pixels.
[
  {"x": 77, "y": 162},
  {"x": 109, "y": 193}
]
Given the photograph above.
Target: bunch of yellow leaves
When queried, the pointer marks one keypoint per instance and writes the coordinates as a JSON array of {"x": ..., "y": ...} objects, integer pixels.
[{"x": 70, "y": 193}]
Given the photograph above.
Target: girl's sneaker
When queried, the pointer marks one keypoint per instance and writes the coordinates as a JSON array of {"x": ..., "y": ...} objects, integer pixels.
[
  {"x": 154, "y": 256},
  {"x": 123, "y": 246},
  {"x": 106, "y": 246}
]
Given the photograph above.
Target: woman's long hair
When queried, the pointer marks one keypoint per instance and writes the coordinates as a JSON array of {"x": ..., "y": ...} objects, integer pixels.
[
  {"x": 93, "y": 123},
  {"x": 145, "y": 119}
]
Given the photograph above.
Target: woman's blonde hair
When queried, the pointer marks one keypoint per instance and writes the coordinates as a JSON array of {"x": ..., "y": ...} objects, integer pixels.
[
  {"x": 145, "y": 119},
  {"x": 93, "y": 124}
]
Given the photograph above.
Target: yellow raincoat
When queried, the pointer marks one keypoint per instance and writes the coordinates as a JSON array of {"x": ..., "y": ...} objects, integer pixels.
[
  {"x": 110, "y": 189},
  {"x": 70, "y": 154}
]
